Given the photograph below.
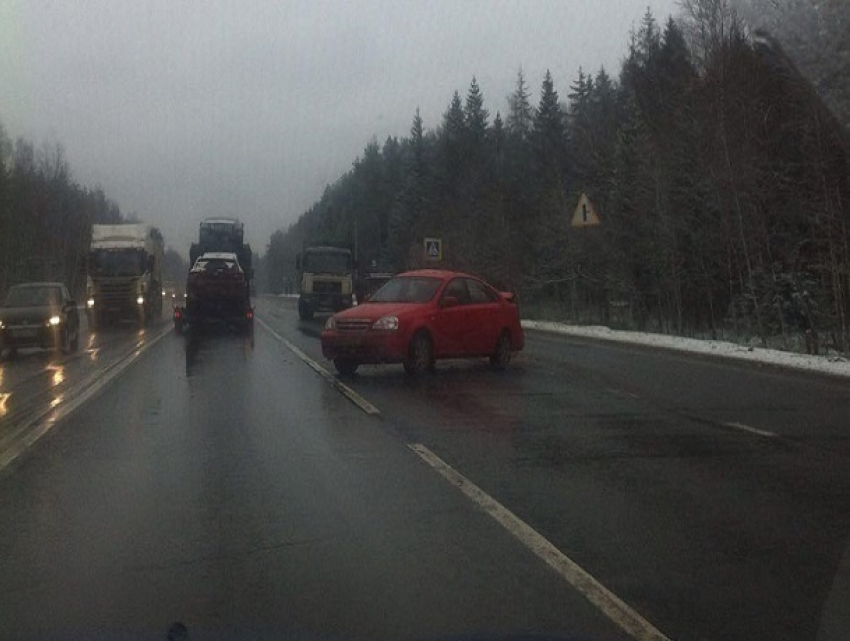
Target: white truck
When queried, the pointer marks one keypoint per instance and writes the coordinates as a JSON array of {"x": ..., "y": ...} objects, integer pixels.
[{"x": 124, "y": 274}]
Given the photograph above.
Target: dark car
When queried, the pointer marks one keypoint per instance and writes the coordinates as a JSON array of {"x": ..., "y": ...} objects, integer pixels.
[
  {"x": 421, "y": 316},
  {"x": 39, "y": 315}
]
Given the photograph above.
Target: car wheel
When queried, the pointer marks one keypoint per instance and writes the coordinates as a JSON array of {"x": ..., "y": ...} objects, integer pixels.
[
  {"x": 65, "y": 340},
  {"x": 346, "y": 366},
  {"x": 502, "y": 356},
  {"x": 304, "y": 312},
  {"x": 75, "y": 342},
  {"x": 420, "y": 355}
]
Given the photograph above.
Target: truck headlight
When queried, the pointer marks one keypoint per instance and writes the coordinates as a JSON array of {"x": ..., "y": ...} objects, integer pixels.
[
  {"x": 388, "y": 323},
  {"x": 140, "y": 300},
  {"x": 54, "y": 321},
  {"x": 90, "y": 303}
]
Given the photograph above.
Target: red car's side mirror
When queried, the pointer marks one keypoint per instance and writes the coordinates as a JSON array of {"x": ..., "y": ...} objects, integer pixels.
[{"x": 449, "y": 301}]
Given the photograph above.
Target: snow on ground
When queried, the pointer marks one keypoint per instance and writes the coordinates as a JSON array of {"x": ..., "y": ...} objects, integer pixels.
[{"x": 833, "y": 365}]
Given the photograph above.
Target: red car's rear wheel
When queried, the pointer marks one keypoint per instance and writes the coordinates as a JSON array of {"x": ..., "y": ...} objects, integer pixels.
[{"x": 502, "y": 356}]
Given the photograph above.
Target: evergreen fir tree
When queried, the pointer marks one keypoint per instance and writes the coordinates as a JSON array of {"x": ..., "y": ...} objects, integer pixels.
[
  {"x": 475, "y": 115},
  {"x": 520, "y": 112}
]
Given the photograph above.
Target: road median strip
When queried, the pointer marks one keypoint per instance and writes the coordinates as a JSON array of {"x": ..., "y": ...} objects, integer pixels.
[
  {"x": 32, "y": 428},
  {"x": 338, "y": 385}
]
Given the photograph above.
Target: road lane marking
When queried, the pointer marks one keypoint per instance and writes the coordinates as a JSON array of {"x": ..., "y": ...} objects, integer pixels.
[
  {"x": 606, "y": 601},
  {"x": 338, "y": 385},
  {"x": 618, "y": 392},
  {"x": 31, "y": 430},
  {"x": 751, "y": 430}
]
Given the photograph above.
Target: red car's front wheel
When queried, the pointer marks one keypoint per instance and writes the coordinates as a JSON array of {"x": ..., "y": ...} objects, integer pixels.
[
  {"x": 346, "y": 366},
  {"x": 420, "y": 355}
]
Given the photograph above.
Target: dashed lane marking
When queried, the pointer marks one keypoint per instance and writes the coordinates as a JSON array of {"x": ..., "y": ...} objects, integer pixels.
[
  {"x": 621, "y": 393},
  {"x": 338, "y": 385},
  {"x": 31, "y": 430},
  {"x": 606, "y": 601},
  {"x": 751, "y": 430}
]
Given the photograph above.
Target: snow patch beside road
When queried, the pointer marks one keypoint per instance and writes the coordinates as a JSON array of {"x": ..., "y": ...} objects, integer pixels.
[{"x": 833, "y": 365}]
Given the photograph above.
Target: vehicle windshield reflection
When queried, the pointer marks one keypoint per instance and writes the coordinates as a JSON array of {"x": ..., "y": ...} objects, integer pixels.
[
  {"x": 33, "y": 297},
  {"x": 407, "y": 289}
]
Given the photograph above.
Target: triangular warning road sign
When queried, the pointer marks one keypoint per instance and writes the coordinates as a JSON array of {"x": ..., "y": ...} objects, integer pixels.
[{"x": 585, "y": 214}]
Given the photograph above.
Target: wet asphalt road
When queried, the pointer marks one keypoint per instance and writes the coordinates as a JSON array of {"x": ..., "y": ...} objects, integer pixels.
[{"x": 222, "y": 483}]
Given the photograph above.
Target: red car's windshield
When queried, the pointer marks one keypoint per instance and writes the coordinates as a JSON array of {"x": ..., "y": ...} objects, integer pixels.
[{"x": 407, "y": 289}]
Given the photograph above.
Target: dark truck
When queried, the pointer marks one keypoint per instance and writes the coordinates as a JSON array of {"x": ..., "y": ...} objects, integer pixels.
[
  {"x": 218, "y": 288},
  {"x": 217, "y": 291},
  {"x": 223, "y": 235}
]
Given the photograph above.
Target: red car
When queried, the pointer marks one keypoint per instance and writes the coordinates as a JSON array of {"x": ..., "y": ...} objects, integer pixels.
[{"x": 421, "y": 316}]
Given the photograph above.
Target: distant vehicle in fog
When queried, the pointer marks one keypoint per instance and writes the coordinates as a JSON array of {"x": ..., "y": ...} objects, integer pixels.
[
  {"x": 172, "y": 294},
  {"x": 216, "y": 291},
  {"x": 39, "y": 315},
  {"x": 223, "y": 235},
  {"x": 325, "y": 279},
  {"x": 421, "y": 316},
  {"x": 124, "y": 274}
]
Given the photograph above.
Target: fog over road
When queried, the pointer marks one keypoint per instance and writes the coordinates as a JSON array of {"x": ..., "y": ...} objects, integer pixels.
[{"x": 220, "y": 481}]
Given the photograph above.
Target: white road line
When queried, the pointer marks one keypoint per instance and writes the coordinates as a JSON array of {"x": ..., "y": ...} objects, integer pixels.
[
  {"x": 341, "y": 387},
  {"x": 606, "y": 601},
  {"x": 27, "y": 434},
  {"x": 618, "y": 392},
  {"x": 752, "y": 430}
]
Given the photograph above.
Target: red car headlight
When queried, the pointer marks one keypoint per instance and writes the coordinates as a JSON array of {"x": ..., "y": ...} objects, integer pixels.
[{"x": 387, "y": 323}]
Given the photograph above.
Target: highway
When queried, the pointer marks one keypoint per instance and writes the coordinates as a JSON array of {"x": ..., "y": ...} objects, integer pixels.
[{"x": 591, "y": 491}]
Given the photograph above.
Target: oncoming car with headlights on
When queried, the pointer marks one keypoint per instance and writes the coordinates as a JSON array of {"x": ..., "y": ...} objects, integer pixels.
[
  {"x": 421, "y": 316},
  {"x": 39, "y": 315}
]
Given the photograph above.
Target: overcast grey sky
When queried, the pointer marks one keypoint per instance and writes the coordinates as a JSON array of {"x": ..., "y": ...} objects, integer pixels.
[{"x": 183, "y": 109}]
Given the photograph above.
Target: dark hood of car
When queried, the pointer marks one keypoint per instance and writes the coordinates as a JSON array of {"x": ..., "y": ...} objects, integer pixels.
[{"x": 32, "y": 315}]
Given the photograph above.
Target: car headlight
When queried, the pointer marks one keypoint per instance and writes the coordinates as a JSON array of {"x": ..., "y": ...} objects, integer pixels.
[
  {"x": 54, "y": 321},
  {"x": 90, "y": 303},
  {"x": 389, "y": 323},
  {"x": 2, "y": 325},
  {"x": 330, "y": 324},
  {"x": 140, "y": 300}
]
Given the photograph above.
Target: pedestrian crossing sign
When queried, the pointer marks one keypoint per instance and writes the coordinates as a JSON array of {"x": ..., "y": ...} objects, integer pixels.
[{"x": 434, "y": 249}]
